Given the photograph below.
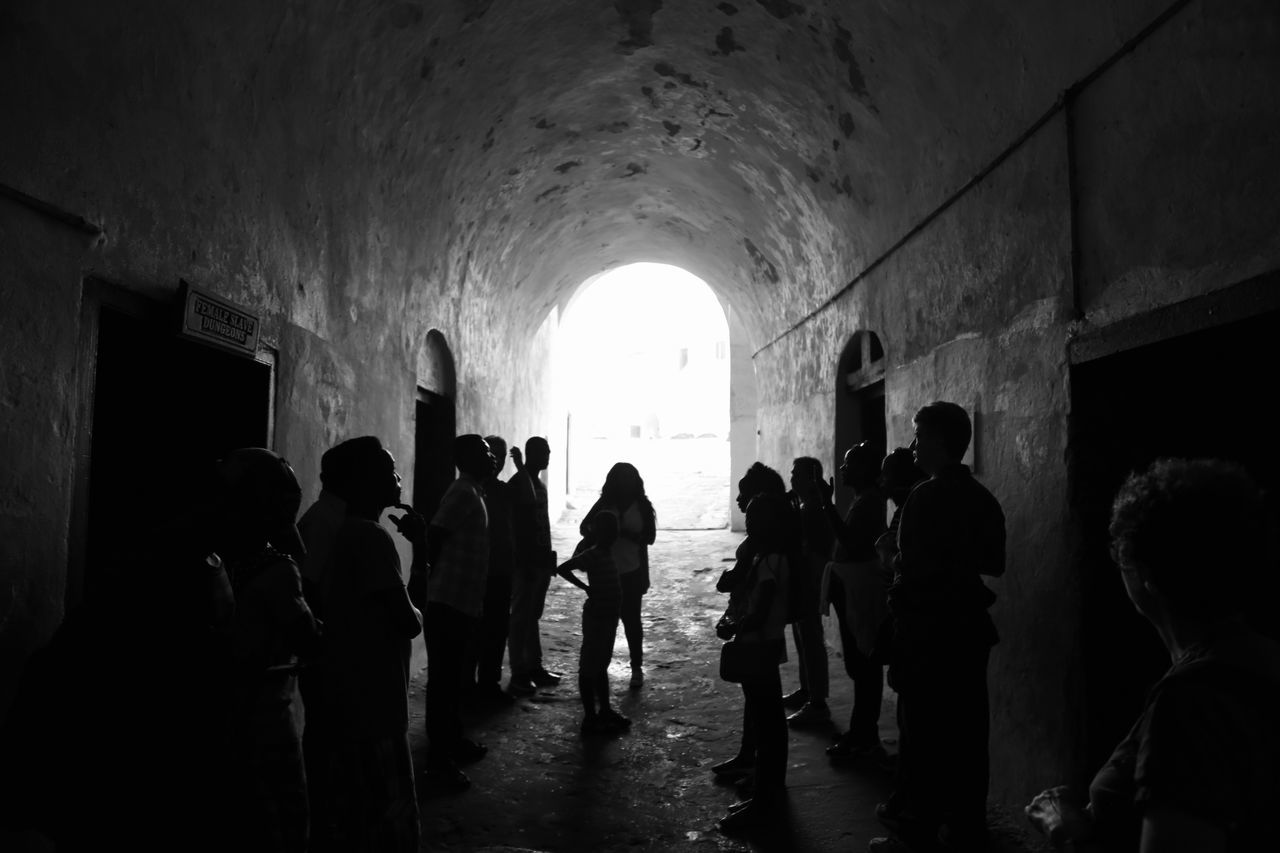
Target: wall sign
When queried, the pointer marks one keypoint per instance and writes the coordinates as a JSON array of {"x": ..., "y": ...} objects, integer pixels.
[{"x": 213, "y": 320}]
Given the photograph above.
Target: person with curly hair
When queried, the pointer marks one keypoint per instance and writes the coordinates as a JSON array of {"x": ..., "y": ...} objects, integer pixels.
[{"x": 1198, "y": 770}]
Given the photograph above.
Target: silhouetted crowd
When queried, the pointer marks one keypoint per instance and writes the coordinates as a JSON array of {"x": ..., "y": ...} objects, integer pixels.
[
  {"x": 165, "y": 713},
  {"x": 1200, "y": 769}
]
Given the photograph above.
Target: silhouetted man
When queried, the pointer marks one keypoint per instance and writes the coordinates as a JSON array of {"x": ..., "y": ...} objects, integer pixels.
[
  {"x": 319, "y": 527},
  {"x": 950, "y": 534},
  {"x": 815, "y": 546},
  {"x": 491, "y": 638},
  {"x": 856, "y": 591},
  {"x": 459, "y": 546},
  {"x": 535, "y": 563}
]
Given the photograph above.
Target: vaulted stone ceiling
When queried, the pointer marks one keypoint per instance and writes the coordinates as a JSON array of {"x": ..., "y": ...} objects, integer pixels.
[
  {"x": 772, "y": 147},
  {"x": 457, "y": 155}
]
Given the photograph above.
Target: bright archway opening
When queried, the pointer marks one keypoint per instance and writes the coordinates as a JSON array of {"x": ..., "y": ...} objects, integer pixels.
[{"x": 643, "y": 369}]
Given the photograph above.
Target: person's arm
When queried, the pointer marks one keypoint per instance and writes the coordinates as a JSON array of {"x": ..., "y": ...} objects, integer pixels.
[
  {"x": 567, "y": 569},
  {"x": 404, "y": 619},
  {"x": 584, "y": 528},
  {"x": 292, "y": 611},
  {"x": 918, "y": 531},
  {"x": 760, "y": 605},
  {"x": 839, "y": 527},
  {"x": 859, "y": 527},
  {"x": 436, "y": 537},
  {"x": 413, "y": 527},
  {"x": 388, "y": 590},
  {"x": 761, "y": 602}
]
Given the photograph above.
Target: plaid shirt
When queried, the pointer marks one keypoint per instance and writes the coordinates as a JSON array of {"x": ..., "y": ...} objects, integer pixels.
[{"x": 458, "y": 577}]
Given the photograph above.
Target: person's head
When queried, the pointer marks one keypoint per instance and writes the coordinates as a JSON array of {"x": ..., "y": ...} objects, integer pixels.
[
  {"x": 899, "y": 474},
  {"x": 498, "y": 446},
  {"x": 473, "y": 457},
  {"x": 943, "y": 431},
  {"x": 767, "y": 521},
  {"x": 258, "y": 496},
  {"x": 861, "y": 466},
  {"x": 604, "y": 528},
  {"x": 760, "y": 479},
  {"x": 622, "y": 485},
  {"x": 1190, "y": 538},
  {"x": 537, "y": 454},
  {"x": 805, "y": 471},
  {"x": 363, "y": 473}
]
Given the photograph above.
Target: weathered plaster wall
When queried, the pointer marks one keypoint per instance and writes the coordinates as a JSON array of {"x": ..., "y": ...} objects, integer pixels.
[
  {"x": 978, "y": 308},
  {"x": 39, "y": 394},
  {"x": 213, "y": 145},
  {"x": 1184, "y": 131},
  {"x": 974, "y": 310}
]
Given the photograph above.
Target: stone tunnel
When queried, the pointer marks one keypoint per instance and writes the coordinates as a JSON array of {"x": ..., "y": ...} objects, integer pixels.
[{"x": 1061, "y": 216}]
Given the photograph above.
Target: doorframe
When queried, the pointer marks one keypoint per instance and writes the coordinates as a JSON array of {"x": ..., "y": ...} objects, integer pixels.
[
  {"x": 96, "y": 294},
  {"x": 1239, "y": 301}
]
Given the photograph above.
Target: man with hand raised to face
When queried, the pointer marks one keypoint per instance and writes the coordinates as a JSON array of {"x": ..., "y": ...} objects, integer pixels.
[
  {"x": 459, "y": 552},
  {"x": 369, "y": 622}
]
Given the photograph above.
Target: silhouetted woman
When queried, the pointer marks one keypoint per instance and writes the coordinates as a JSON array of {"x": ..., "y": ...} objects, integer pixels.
[
  {"x": 623, "y": 492},
  {"x": 757, "y": 626},
  {"x": 1199, "y": 769}
]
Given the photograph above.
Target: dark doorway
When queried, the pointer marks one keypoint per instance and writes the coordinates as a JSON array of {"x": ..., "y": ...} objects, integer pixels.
[
  {"x": 433, "y": 433},
  {"x": 1197, "y": 395},
  {"x": 860, "y": 414},
  {"x": 164, "y": 409}
]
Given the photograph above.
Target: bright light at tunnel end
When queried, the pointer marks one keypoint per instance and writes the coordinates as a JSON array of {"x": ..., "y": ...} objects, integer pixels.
[{"x": 642, "y": 373}]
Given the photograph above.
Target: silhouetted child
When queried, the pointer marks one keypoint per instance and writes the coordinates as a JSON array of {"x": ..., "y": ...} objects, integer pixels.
[{"x": 600, "y": 614}]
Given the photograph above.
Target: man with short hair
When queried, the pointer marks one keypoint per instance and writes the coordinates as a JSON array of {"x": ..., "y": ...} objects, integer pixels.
[
  {"x": 951, "y": 533},
  {"x": 458, "y": 540},
  {"x": 491, "y": 638},
  {"x": 809, "y": 701},
  {"x": 534, "y": 565}
]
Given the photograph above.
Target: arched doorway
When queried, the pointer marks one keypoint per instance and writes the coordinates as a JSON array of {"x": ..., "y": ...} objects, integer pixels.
[
  {"x": 435, "y": 424},
  {"x": 859, "y": 399},
  {"x": 643, "y": 375}
]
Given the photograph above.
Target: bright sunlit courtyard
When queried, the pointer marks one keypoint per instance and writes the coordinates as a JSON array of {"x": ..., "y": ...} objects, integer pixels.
[{"x": 644, "y": 373}]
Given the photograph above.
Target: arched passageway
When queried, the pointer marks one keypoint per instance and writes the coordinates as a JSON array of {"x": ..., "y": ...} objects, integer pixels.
[
  {"x": 997, "y": 189},
  {"x": 646, "y": 373}
]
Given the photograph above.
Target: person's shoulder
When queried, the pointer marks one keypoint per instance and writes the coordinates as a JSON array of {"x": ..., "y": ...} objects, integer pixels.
[
  {"x": 1213, "y": 696},
  {"x": 926, "y": 489},
  {"x": 521, "y": 484},
  {"x": 356, "y": 532},
  {"x": 979, "y": 488}
]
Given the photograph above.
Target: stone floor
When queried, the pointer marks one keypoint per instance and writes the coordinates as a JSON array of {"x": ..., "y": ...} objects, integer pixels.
[{"x": 544, "y": 787}]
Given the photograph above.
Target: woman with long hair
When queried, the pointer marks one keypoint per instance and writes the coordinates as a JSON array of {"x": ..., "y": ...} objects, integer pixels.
[{"x": 623, "y": 493}]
